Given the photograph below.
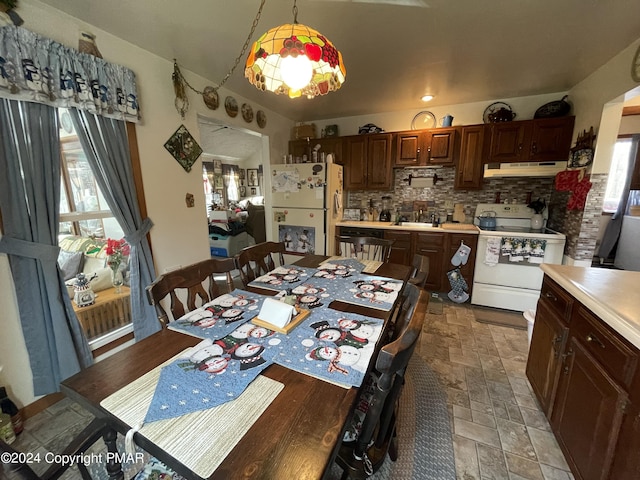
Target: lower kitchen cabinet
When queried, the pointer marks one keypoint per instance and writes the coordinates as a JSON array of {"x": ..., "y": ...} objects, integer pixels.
[
  {"x": 402, "y": 249},
  {"x": 547, "y": 343},
  {"x": 588, "y": 413},
  {"x": 586, "y": 378},
  {"x": 432, "y": 245}
]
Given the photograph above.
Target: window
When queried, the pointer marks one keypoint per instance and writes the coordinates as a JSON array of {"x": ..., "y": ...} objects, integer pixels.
[
  {"x": 618, "y": 173},
  {"x": 83, "y": 209},
  {"x": 84, "y": 212}
]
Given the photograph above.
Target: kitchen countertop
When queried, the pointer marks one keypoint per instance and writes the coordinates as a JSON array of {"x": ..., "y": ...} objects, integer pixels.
[
  {"x": 449, "y": 227},
  {"x": 612, "y": 295}
]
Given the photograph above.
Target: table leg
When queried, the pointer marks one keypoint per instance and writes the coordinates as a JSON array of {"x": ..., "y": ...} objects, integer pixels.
[{"x": 114, "y": 467}]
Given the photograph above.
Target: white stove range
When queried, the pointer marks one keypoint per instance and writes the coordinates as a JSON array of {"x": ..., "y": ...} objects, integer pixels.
[{"x": 507, "y": 271}]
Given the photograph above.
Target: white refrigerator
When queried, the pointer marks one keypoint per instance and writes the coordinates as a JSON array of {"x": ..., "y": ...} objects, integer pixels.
[{"x": 307, "y": 203}]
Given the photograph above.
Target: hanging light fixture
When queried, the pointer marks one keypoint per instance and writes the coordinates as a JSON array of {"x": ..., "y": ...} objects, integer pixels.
[{"x": 296, "y": 60}]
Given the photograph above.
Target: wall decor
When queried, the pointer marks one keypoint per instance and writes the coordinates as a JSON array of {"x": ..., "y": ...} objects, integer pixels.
[
  {"x": 189, "y": 200},
  {"x": 243, "y": 191},
  {"x": 231, "y": 106},
  {"x": 261, "y": 119},
  {"x": 247, "y": 112},
  {"x": 254, "y": 191},
  {"x": 252, "y": 177},
  {"x": 210, "y": 97},
  {"x": 183, "y": 147},
  {"x": 582, "y": 153},
  {"x": 241, "y": 173}
]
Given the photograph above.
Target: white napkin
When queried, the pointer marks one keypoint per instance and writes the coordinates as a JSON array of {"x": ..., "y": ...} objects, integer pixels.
[{"x": 276, "y": 313}]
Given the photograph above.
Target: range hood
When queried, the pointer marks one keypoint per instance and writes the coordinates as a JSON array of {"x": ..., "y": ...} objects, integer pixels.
[{"x": 524, "y": 169}]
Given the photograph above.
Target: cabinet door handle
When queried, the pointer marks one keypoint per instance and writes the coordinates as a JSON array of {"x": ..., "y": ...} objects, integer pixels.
[
  {"x": 551, "y": 296},
  {"x": 591, "y": 338},
  {"x": 520, "y": 147},
  {"x": 554, "y": 343},
  {"x": 564, "y": 357},
  {"x": 534, "y": 147}
]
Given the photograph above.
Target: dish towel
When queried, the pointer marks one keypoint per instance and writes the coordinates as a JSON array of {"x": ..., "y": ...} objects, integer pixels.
[
  {"x": 492, "y": 254},
  {"x": 528, "y": 251}
]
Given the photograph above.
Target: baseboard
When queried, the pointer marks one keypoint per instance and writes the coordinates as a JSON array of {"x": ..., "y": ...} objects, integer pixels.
[{"x": 41, "y": 404}]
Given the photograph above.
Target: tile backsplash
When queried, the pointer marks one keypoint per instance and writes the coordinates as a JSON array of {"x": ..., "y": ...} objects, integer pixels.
[{"x": 402, "y": 195}]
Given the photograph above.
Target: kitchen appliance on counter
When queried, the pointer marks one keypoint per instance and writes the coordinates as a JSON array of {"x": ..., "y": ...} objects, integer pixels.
[
  {"x": 385, "y": 210},
  {"x": 507, "y": 273},
  {"x": 307, "y": 203}
]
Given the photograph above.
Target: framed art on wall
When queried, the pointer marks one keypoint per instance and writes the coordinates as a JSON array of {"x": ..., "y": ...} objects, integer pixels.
[{"x": 252, "y": 177}]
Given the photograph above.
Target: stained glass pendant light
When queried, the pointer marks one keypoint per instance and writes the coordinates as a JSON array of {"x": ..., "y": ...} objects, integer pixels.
[{"x": 295, "y": 60}]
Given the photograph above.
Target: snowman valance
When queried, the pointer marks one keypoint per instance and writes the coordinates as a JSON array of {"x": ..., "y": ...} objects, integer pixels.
[{"x": 37, "y": 69}]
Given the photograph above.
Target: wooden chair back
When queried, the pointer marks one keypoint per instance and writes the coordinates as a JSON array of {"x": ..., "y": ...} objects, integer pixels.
[
  {"x": 197, "y": 280},
  {"x": 258, "y": 259},
  {"x": 420, "y": 272},
  {"x": 360, "y": 459},
  {"x": 364, "y": 248}
]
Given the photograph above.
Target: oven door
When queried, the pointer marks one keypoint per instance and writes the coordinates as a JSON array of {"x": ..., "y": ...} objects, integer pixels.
[{"x": 512, "y": 286}]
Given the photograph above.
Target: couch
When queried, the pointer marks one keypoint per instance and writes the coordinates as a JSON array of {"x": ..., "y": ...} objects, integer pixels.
[{"x": 79, "y": 255}]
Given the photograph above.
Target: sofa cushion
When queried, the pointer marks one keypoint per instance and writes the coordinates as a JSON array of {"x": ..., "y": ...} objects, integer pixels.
[{"x": 70, "y": 263}]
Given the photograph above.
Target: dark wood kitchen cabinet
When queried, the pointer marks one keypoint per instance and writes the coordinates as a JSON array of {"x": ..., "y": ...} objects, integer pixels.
[
  {"x": 473, "y": 148},
  {"x": 538, "y": 140},
  {"x": 594, "y": 405},
  {"x": 588, "y": 414},
  {"x": 368, "y": 162},
  {"x": 437, "y": 146},
  {"x": 403, "y": 246},
  {"x": 432, "y": 245},
  {"x": 547, "y": 344}
]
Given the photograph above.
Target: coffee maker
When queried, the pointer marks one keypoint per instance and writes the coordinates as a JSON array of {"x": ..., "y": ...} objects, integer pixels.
[{"x": 385, "y": 211}]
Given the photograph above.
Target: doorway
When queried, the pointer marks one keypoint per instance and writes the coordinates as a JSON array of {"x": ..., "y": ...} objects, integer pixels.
[{"x": 232, "y": 161}]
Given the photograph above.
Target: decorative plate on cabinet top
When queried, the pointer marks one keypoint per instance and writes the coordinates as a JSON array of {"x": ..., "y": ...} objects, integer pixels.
[
  {"x": 498, "y": 112},
  {"x": 422, "y": 120}
]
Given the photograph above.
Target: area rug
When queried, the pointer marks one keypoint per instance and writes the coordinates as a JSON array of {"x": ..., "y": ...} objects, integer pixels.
[
  {"x": 505, "y": 318},
  {"x": 425, "y": 445}
]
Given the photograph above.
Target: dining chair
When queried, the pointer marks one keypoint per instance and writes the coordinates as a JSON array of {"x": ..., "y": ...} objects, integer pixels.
[
  {"x": 16, "y": 465},
  {"x": 197, "y": 280},
  {"x": 364, "y": 248},
  {"x": 258, "y": 259},
  {"x": 420, "y": 272},
  {"x": 373, "y": 422}
]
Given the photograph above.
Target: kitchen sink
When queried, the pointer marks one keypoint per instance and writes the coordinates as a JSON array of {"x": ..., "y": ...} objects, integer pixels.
[{"x": 415, "y": 224}]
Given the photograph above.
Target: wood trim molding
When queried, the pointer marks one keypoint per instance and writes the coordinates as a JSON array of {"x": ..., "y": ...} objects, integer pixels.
[
  {"x": 137, "y": 173},
  {"x": 41, "y": 404},
  {"x": 111, "y": 345},
  {"x": 635, "y": 110}
]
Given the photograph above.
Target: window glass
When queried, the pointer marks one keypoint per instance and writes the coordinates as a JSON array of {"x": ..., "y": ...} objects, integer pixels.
[{"x": 617, "y": 174}]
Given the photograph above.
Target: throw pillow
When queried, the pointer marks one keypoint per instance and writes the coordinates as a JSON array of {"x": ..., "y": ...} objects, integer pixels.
[{"x": 70, "y": 263}]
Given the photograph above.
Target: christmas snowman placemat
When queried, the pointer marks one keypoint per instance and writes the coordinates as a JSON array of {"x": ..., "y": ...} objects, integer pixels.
[
  {"x": 333, "y": 346},
  {"x": 360, "y": 289},
  {"x": 220, "y": 316},
  {"x": 281, "y": 278},
  {"x": 188, "y": 438}
]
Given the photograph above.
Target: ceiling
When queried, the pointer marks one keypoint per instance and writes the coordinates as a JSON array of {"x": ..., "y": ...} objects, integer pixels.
[
  {"x": 461, "y": 51},
  {"x": 226, "y": 143}
]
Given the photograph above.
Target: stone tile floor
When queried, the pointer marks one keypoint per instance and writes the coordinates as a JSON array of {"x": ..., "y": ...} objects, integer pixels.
[{"x": 499, "y": 432}]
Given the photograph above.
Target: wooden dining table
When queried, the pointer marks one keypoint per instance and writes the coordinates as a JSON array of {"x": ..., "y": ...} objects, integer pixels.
[{"x": 296, "y": 437}]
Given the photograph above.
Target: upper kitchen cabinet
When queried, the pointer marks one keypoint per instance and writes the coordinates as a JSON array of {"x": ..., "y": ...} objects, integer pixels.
[
  {"x": 332, "y": 145},
  {"x": 473, "y": 149},
  {"x": 438, "y": 146},
  {"x": 538, "y": 140},
  {"x": 368, "y": 161}
]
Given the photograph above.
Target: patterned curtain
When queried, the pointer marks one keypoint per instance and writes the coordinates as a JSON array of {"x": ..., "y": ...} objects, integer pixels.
[{"x": 37, "y": 69}]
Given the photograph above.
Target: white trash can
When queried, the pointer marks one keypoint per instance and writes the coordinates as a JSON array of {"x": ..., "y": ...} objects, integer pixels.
[{"x": 530, "y": 316}]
